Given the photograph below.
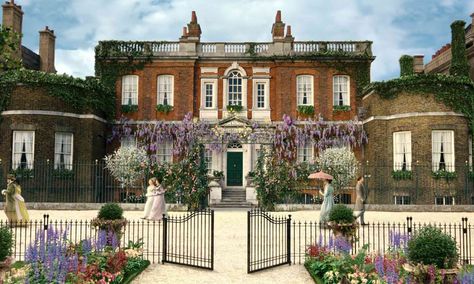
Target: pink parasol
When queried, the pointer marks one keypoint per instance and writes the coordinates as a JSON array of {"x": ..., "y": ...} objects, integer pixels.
[{"x": 320, "y": 175}]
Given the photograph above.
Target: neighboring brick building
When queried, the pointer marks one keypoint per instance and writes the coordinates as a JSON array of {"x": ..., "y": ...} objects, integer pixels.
[
  {"x": 266, "y": 79},
  {"x": 42, "y": 134}
]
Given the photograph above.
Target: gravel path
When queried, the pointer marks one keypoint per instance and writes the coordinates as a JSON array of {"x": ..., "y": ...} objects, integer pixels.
[{"x": 230, "y": 247}]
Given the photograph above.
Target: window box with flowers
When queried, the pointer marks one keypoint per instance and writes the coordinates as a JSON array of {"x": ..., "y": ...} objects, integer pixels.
[
  {"x": 341, "y": 108},
  {"x": 63, "y": 174},
  {"x": 129, "y": 108},
  {"x": 443, "y": 174},
  {"x": 402, "y": 175},
  {"x": 164, "y": 108},
  {"x": 23, "y": 173},
  {"x": 234, "y": 108},
  {"x": 306, "y": 110}
]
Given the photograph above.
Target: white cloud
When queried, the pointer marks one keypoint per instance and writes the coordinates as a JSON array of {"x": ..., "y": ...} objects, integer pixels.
[{"x": 78, "y": 62}]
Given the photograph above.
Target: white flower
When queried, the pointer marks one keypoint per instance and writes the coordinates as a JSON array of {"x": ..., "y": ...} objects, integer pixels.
[{"x": 127, "y": 164}]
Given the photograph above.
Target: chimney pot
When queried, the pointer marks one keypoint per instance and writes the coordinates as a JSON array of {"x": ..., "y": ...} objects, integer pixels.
[
  {"x": 288, "y": 31},
  {"x": 278, "y": 17},
  {"x": 193, "y": 17}
]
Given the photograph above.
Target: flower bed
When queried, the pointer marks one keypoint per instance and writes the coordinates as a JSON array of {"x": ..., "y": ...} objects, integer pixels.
[
  {"x": 333, "y": 264},
  {"x": 53, "y": 259}
]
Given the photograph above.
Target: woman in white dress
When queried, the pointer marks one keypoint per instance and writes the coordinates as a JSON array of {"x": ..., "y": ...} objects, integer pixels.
[
  {"x": 150, "y": 196},
  {"x": 158, "y": 208},
  {"x": 328, "y": 202}
]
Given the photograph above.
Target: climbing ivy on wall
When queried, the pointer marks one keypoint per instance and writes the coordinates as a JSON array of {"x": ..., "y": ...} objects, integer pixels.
[
  {"x": 453, "y": 91},
  {"x": 88, "y": 94},
  {"x": 406, "y": 65},
  {"x": 9, "y": 42},
  {"x": 459, "y": 64}
]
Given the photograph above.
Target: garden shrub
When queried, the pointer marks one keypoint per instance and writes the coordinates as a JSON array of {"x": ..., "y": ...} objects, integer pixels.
[
  {"x": 6, "y": 243},
  {"x": 341, "y": 214},
  {"x": 430, "y": 246},
  {"x": 110, "y": 211}
]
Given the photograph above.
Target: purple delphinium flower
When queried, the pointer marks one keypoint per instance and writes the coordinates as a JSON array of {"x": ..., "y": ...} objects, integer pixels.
[
  {"x": 86, "y": 247},
  {"x": 399, "y": 241},
  {"x": 101, "y": 240},
  {"x": 341, "y": 244},
  {"x": 379, "y": 266}
]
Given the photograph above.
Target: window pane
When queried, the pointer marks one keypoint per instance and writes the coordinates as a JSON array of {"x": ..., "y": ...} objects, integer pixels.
[
  {"x": 130, "y": 90},
  {"x": 304, "y": 90},
  {"x": 23, "y": 149},
  {"x": 341, "y": 90},
  {"x": 165, "y": 90}
]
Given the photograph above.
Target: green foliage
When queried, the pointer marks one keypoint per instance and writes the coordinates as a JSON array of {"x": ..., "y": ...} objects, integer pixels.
[
  {"x": 402, "y": 175},
  {"x": 63, "y": 174},
  {"x": 341, "y": 214},
  {"x": 471, "y": 175},
  {"x": 341, "y": 108},
  {"x": 459, "y": 63},
  {"x": 455, "y": 92},
  {"x": 234, "y": 108},
  {"x": 82, "y": 95},
  {"x": 9, "y": 43},
  {"x": 218, "y": 174},
  {"x": 6, "y": 243},
  {"x": 110, "y": 211},
  {"x": 278, "y": 180},
  {"x": 23, "y": 173},
  {"x": 406, "y": 65},
  {"x": 430, "y": 246},
  {"x": 164, "y": 108},
  {"x": 306, "y": 110},
  {"x": 129, "y": 108},
  {"x": 443, "y": 174}
]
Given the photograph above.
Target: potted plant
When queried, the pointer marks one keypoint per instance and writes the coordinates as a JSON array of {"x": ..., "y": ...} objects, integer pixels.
[
  {"x": 111, "y": 220},
  {"x": 342, "y": 222},
  {"x": 6, "y": 245},
  {"x": 218, "y": 176},
  {"x": 421, "y": 256},
  {"x": 250, "y": 177}
]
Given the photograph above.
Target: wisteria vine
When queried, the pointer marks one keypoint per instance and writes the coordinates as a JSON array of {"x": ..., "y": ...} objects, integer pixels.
[{"x": 285, "y": 137}]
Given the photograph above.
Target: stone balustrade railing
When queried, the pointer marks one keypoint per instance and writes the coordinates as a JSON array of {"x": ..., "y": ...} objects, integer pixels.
[{"x": 227, "y": 49}]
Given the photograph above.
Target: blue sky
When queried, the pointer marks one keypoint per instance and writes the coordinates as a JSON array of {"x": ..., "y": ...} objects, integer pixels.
[{"x": 395, "y": 26}]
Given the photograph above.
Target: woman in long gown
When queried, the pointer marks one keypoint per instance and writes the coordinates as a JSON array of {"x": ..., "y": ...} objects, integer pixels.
[
  {"x": 150, "y": 197},
  {"x": 158, "y": 207},
  {"x": 15, "y": 207},
  {"x": 328, "y": 202}
]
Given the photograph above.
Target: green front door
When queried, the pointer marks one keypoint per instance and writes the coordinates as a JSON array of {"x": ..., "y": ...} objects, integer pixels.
[{"x": 234, "y": 168}]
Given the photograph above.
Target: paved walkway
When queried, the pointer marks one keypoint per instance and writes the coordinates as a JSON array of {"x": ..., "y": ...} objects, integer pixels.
[{"x": 230, "y": 247}]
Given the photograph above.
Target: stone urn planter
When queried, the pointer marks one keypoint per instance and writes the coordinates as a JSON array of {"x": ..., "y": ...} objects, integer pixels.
[
  {"x": 448, "y": 274},
  {"x": 345, "y": 230},
  {"x": 250, "y": 180}
]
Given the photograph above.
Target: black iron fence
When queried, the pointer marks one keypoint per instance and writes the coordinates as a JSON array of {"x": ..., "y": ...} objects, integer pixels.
[
  {"x": 268, "y": 241},
  {"x": 186, "y": 239},
  {"x": 273, "y": 240},
  {"x": 92, "y": 182}
]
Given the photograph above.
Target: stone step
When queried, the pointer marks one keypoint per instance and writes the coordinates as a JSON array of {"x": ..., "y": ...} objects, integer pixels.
[{"x": 232, "y": 205}]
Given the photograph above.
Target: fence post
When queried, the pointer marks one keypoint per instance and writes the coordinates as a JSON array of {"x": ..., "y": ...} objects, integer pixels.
[
  {"x": 465, "y": 242},
  {"x": 212, "y": 239},
  {"x": 288, "y": 238},
  {"x": 466, "y": 184},
  {"x": 1, "y": 172},
  {"x": 409, "y": 225},
  {"x": 45, "y": 221},
  {"x": 165, "y": 238},
  {"x": 416, "y": 180},
  {"x": 248, "y": 241}
]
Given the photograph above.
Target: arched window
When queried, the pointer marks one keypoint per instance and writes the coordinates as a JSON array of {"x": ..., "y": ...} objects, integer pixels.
[
  {"x": 234, "y": 89},
  {"x": 341, "y": 90},
  {"x": 165, "y": 90},
  {"x": 304, "y": 90},
  {"x": 130, "y": 90}
]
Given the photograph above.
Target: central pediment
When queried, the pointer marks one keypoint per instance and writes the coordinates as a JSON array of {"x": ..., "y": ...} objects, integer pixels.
[{"x": 234, "y": 121}]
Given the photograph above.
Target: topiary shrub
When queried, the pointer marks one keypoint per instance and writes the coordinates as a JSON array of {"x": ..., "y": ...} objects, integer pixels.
[
  {"x": 110, "y": 211},
  {"x": 341, "y": 214},
  {"x": 430, "y": 246},
  {"x": 406, "y": 65},
  {"x": 6, "y": 243}
]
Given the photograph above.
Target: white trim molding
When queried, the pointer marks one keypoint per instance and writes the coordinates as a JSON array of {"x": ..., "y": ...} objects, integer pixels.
[
  {"x": 209, "y": 70},
  {"x": 53, "y": 113},
  {"x": 411, "y": 114}
]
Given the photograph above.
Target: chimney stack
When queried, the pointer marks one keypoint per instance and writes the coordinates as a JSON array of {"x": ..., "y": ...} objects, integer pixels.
[
  {"x": 418, "y": 65},
  {"x": 278, "y": 28},
  {"x": 13, "y": 19},
  {"x": 46, "y": 50},
  {"x": 288, "y": 36},
  {"x": 194, "y": 30}
]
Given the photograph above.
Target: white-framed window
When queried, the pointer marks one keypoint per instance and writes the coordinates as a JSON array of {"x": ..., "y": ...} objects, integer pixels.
[
  {"x": 63, "y": 150},
  {"x": 165, "y": 90},
  {"x": 442, "y": 150},
  {"x": 304, "y": 90},
  {"x": 23, "y": 152},
  {"x": 209, "y": 95},
  {"x": 164, "y": 153},
  {"x": 234, "y": 88},
  {"x": 341, "y": 90},
  {"x": 402, "y": 200},
  {"x": 305, "y": 152},
  {"x": 208, "y": 160},
  {"x": 130, "y": 90},
  {"x": 402, "y": 151},
  {"x": 260, "y": 89},
  {"x": 445, "y": 200},
  {"x": 129, "y": 141}
]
